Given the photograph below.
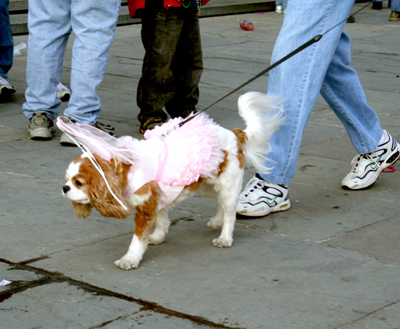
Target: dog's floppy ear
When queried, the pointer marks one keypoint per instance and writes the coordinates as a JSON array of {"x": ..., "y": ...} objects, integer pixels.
[
  {"x": 82, "y": 210},
  {"x": 99, "y": 194}
]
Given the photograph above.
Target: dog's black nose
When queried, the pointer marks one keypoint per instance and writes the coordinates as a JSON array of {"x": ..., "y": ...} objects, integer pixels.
[{"x": 66, "y": 188}]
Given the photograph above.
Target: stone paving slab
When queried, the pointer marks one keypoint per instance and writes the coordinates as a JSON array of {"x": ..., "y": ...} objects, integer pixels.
[
  {"x": 331, "y": 213},
  {"x": 387, "y": 318},
  {"x": 62, "y": 306},
  {"x": 264, "y": 281},
  {"x": 380, "y": 239}
]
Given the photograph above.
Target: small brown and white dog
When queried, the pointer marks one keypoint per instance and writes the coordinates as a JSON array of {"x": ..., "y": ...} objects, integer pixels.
[{"x": 86, "y": 188}]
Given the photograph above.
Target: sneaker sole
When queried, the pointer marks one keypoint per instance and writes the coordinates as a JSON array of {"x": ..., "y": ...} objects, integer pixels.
[
  {"x": 66, "y": 141},
  {"x": 5, "y": 92},
  {"x": 371, "y": 181},
  {"x": 280, "y": 207},
  {"x": 41, "y": 133}
]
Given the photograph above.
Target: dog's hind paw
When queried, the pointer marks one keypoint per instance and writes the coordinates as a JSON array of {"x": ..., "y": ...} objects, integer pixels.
[
  {"x": 222, "y": 243},
  {"x": 125, "y": 264},
  {"x": 215, "y": 222},
  {"x": 155, "y": 239}
]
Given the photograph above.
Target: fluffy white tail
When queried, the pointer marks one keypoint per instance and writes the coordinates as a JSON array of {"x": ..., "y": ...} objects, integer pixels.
[{"x": 263, "y": 115}]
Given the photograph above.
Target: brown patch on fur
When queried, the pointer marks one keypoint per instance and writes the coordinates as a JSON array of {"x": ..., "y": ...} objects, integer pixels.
[
  {"x": 224, "y": 164},
  {"x": 241, "y": 139},
  {"x": 146, "y": 213},
  {"x": 99, "y": 194},
  {"x": 194, "y": 186},
  {"x": 82, "y": 210},
  {"x": 77, "y": 159}
]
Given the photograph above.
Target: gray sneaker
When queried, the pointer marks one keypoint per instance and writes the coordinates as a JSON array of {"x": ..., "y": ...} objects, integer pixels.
[
  {"x": 6, "y": 89},
  {"x": 41, "y": 127},
  {"x": 66, "y": 141}
]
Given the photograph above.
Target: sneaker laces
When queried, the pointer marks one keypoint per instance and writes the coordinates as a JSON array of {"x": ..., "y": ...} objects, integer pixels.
[
  {"x": 257, "y": 183},
  {"x": 251, "y": 186},
  {"x": 356, "y": 167}
]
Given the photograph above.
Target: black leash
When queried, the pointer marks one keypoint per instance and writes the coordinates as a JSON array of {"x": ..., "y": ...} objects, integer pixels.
[{"x": 269, "y": 68}]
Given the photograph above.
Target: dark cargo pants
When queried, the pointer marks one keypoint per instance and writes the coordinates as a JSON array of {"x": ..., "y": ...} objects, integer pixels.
[{"x": 172, "y": 65}]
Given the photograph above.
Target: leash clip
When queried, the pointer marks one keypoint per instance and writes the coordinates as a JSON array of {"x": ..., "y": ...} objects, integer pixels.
[{"x": 165, "y": 134}]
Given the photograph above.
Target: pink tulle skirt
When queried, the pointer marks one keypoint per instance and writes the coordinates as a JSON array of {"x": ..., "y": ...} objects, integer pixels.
[{"x": 190, "y": 152}]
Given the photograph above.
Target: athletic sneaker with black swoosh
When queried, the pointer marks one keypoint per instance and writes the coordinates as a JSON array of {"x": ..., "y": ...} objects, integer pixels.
[
  {"x": 367, "y": 167},
  {"x": 259, "y": 198}
]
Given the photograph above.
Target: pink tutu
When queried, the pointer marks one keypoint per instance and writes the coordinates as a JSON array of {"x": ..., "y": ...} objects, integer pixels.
[
  {"x": 191, "y": 151},
  {"x": 179, "y": 159}
]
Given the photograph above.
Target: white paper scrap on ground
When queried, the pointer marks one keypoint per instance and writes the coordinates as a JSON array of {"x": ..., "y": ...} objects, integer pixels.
[
  {"x": 18, "y": 48},
  {"x": 4, "y": 282}
]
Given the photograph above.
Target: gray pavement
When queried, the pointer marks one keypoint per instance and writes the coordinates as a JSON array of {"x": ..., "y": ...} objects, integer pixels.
[{"x": 331, "y": 261}]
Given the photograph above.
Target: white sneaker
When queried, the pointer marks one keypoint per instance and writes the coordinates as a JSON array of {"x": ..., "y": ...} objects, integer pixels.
[
  {"x": 279, "y": 9},
  {"x": 63, "y": 92},
  {"x": 6, "y": 88},
  {"x": 367, "y": 167},
  {"x": 259, "y": 198}
]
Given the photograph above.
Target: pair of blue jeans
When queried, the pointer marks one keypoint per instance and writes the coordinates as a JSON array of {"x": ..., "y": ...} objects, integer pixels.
[
  {"x": 282, "y": 3},
  {"x": 6, "y": 40},
  {"x": 395, "y": 5},
  {"x": 321, "y": 68},
  {"x": 50, "y": 24}
]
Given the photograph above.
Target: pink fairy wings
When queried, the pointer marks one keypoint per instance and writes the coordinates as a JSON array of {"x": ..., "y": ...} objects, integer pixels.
[{"x": 95, "y": 140}]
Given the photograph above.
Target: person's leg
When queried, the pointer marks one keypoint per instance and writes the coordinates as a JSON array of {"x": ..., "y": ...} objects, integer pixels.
[
  {"x": 6, "y": 40},
  {"x": 187, "y": 68},
  {"x": 343, "y": 92},
  {"x": 94, "y": 24},
  {"x": 279, "y": 7},
  {"x": 298, "y": 80},
  {"x": 395, "y": 5},
  {"x": 395, "y": 8},
  {"x": 377, "y": 4},
  {"x": 161, "y": 31},
  {"x": 49, "y": 28}
]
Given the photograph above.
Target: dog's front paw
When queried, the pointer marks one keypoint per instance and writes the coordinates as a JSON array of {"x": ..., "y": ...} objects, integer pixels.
[
  {"x": 126, "y": 264},
  {"x": 222, "y": 243}
]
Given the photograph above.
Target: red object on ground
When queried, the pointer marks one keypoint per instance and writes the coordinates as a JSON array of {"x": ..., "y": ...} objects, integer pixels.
[{"x": 246, "y": 25}]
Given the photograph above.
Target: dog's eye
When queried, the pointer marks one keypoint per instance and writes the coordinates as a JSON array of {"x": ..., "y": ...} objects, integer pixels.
[{"x": 78, "y": 183}]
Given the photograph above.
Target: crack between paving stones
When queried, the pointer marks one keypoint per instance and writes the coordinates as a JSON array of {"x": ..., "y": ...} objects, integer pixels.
[
  {"x": 355, "y": 230},
  {"x": 55, "y": 277},
  {"x": 368, "y": 314}
]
